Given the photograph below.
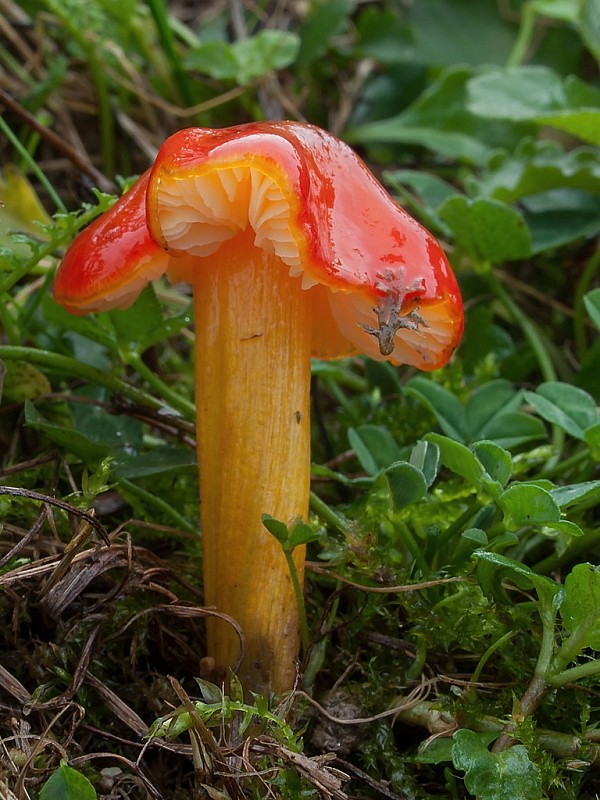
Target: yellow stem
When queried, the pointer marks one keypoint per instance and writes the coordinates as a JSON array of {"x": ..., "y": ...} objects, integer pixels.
[{"x": 253, "y": 334}]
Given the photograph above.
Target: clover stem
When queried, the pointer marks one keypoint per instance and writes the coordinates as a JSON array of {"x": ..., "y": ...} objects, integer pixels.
[{"x": 253, "y": 340}]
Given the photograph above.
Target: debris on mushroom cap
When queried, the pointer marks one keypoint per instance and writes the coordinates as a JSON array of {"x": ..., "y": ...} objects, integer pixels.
[{"x": 380, "y": 284}]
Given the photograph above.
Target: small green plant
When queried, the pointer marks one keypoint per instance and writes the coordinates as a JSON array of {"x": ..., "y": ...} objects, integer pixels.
[
  {"x": 264, "y": 738},
  {"x": 67, "y": 784}
]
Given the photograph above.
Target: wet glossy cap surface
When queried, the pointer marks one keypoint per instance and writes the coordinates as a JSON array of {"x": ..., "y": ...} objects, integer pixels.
[
  {"x": 110, "y": 261},
  {"x": 379, "y": 277}
]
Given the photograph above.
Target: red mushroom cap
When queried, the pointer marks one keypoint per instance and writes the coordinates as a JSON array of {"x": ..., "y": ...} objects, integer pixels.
[
  {"x": 379, "y": 282},
  {"x": 110, "y": 261}
]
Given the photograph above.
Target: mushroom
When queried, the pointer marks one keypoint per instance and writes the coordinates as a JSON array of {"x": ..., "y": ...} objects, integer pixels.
[{"x": 293, "y": 250}]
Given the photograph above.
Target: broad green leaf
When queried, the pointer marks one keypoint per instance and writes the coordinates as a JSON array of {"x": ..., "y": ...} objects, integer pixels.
[
  {"x": 91, "y": 433},
  {"x": 374, "y": 447},
  {"x": 215, "y": 58},
  {"x": 592, "y": 306},
  {"x": 575, "y": 493},
  {"x": 488, "y": 404},
  {"x": 446, "y": 407},
  {"x": 510, "y": 775},
  {"x": 67, "y": 784},
  {"x": 486, "y": 465},
  {"x": 247, "y": 59},
  {"x": 325, "y": 20},
  {"x": 565, "y": 527},
  {"x": 396, "y": 130},
  {"x": 524, "y": 576},
  {"x": 589, "y": 25},
  {"x": 431, "y": 190},
  {"x": 514, "y": 429},
  {"x": 88, "y": 327},
  {"x": 459, "y": 32},
  {"x": 580, "y": 609},
  {"x": 276, "y": 528},
  {"x": 300, "y": 534},
  {"x": 540, "y": 95},
  {"x": 488, "y": 230},
  {"x": 528, "y": 504},
  {"x": 458, "y": 458},
  {"x": 489, "y": 577},
  {"x": 492, "y": 566},
  {"x": 496, "y": 461},
  {"x": 440, "y": 120},
  {"x": 140, "y": 319},
  {"x": 70, "y": 440},
  {"x": 407, "y": 484},
  {"x": 265, "y": 52},
  {"x": 88, "y": 351},
  {"x": 560, "y": 216},
  {"x": 385, "y": 92},
  {"x": 160, "y": 461},
  {"x": 584, "y": 124},
  {"x": 475, "y": 535},
  {"x": 211, "y": 693},
  {"x": 289, "y": 538},
  {"x": 116, "y": 431},
  {"x": 384, "y": 36},
  {"x": 426, "y": 457},
  {"x": 484, "y": 340},
  {"x": 536, "y": 167},
  {"x": 504, "y": 539},
  {"x": 435, "y": 751},
  {"x": 565, "y": 405},
  {"x": 515, "y": 93}
]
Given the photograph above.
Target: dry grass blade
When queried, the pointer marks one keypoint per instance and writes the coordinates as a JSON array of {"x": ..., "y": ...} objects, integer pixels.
[
  {"x": 316, "y": 770},
  {"x": 61, "y": 591},
  {"x": 378, "y": 786},
  {"x": 57, "y": 143},
  {"x": 15, "y": 491},
  {"x": 78, "y": 678},
  {"x": 119, "y": 708},
  {"x": 69, "y": 599},
  {"x": 413, "y": 698},
  {"x": 23, "y": 543},
  {"x": 13, "y": 686},
  {"x": 142, "y": 779},
  {"x": 40, "y": 743},
  {"x": 5, "y": 792}
]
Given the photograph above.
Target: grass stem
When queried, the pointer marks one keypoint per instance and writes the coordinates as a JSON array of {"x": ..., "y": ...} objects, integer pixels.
[{"x": 33, "y": 166}]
